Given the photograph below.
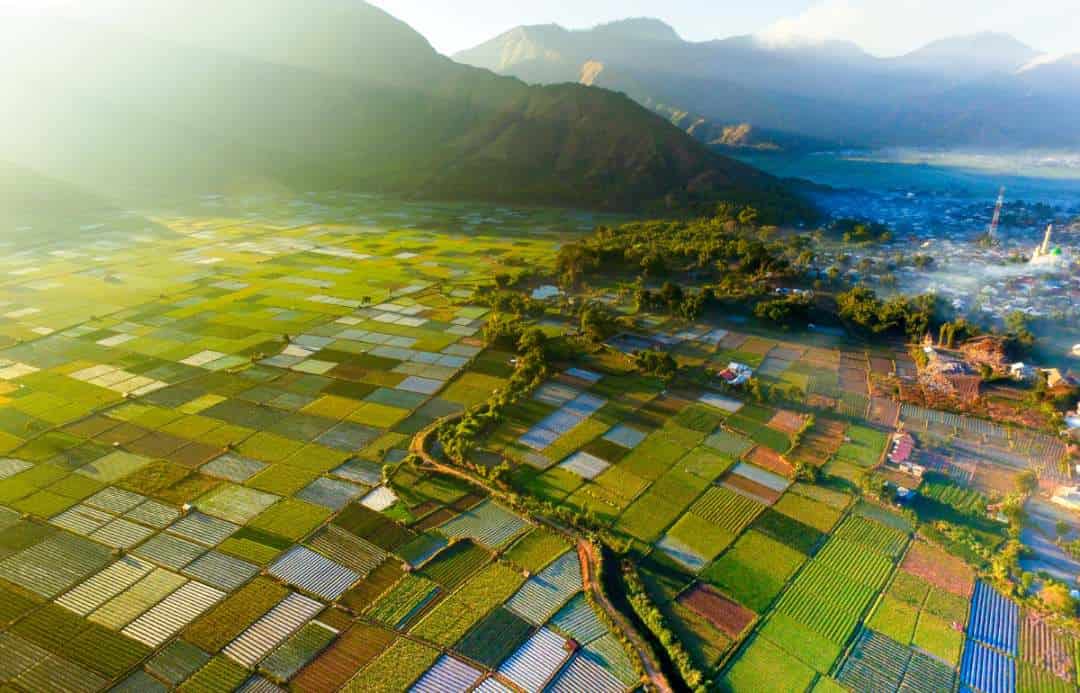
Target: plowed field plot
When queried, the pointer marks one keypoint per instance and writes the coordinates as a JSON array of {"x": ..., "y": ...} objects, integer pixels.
[
  {"x": 787, "y": 421},
  {"x": 769, "y": 459},
  {"x": 354, "y": 649},
  {"x": 1046, "y": 647},
  {"x": 820, "y": 443},
  {"x": 939, "y": 568},
  {"x": 728, "y": 616}
]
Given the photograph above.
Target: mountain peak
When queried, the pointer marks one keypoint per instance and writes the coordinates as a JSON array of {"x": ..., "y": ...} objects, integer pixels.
[
  {"x": 972, "y": 54},
  {"x": 639, "y": 28}
]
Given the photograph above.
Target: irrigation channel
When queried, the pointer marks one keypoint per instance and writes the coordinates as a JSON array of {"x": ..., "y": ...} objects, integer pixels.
[{"x": 657, "y": 666}]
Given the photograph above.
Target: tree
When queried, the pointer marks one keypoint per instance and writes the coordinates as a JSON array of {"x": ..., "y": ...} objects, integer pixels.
[
  {"x": 657, "y": 363},
  {"x": 784, "y": 311},
  {"x": 748, "y": 216},
  {"x": 532, "y": 338},
  {"x": 807, "y": 473},
  {"x": 1026, "y": 482},
  {"x": 572, "y": 262},
  {"x": 597, "y": 322},
  {"x": 1057, "y": 598},
  {"x": 1017, "y": 327}
]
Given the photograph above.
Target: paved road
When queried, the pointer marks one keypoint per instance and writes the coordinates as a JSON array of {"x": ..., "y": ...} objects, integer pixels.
[{"x": 1048, "y": 555}]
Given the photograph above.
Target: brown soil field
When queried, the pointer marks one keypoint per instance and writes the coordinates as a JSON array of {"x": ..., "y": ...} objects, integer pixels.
[
  {"x": 939, "y": 568},
  {"x": 728, "y": 616}
]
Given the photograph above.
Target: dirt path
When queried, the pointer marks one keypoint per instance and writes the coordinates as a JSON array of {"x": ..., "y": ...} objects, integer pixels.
[
  {"x": 588, "y": 554},
  {"x": 590, "y": 558}
]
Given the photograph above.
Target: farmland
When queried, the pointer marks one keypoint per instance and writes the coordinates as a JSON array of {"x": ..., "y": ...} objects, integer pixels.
[{"x": 207, "y": 481}]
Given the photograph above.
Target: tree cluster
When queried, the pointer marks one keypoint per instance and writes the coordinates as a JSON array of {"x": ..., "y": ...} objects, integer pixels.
[
  {"x": 458, "y": 439},
  {"x": 904, "y": 316}
]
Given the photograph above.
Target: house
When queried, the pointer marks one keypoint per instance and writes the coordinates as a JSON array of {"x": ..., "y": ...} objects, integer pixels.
[
  {"x": 987, "y": 350},
  {"x": 1067, "y": 497},
  {"x": 736, "y": 373},
  {"x": 1022, "y": 372},
  {"x": 1053, "y": 377},
  {"x": 903, "y": 447}
]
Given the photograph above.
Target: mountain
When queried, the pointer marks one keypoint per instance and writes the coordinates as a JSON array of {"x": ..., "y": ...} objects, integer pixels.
[
  {"x": 969, "y": 58},
  {"x": 136, "y": 98},
  {"x": 829, "y": 92}
]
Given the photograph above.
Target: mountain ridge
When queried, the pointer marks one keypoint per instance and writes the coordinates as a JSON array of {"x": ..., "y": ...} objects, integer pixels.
[
  {"x": 829, "y": 91},
  {"x": 190, "y": 100}
]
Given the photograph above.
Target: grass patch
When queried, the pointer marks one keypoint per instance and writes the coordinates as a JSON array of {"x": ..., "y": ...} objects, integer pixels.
[
  {"x": 536, "y": 549},
  {"x": 786, "y": 530},
  {"x": 895, "y": 619},
  {"x": 937, "y": 636},
  {"x": 763, "y": 666},
  {"x": 291, "y": 518}
]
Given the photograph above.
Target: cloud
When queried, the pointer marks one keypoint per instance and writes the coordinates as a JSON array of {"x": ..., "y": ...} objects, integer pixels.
[{"x": 829, "y": 19}]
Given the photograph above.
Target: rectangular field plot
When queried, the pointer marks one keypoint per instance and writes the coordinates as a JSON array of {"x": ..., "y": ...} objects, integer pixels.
[
  {"x": 348, "y": 654},
  {"x": 396, "y": 669},
  {"x": 54, "y": 565},
  {"x": 489, "y": 524},
  {"x": 271, "y": 630},
  {"x": 827, "y": 600},
  {"x": 584, "y": 465},
  {"x": 994, "y": 619},
  {"x": 299, "y": 649},
  {"x": 726, "y": 615},
  {"x": 173, "y": 613},
  {"x": 755, "y": 569},
  {"x": 543, "y": 594},
  {"x": 582, "y": 674},
  {"x": 986, "y": 669},
  {"x": 879, "y": 663},
  {"x": 726, "y": 509},
  {"x": 536, "y": 661},
  {"x": 404, "y": 601},
  {"x": 314, "y": 573},
  {"x": 449, "y": 675},
  {"x": 579, "y": 621},
  {"x": 495, "y": 637}
]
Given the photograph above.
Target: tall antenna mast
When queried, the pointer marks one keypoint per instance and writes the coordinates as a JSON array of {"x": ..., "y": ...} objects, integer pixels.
[{"x": 991, "y": 233}]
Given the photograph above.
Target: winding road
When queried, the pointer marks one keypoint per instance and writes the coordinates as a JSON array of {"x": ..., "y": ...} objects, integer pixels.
[{"x": 588, "y": 554}]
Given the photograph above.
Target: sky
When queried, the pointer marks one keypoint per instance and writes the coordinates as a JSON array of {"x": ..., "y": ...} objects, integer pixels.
[{"x": 882, "y": 27}]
